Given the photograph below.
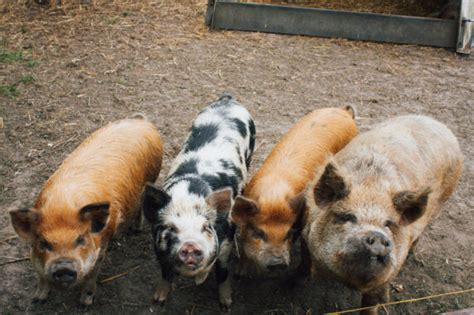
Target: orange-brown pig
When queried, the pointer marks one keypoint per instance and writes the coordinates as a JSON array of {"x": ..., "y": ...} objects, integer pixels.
[
  {"x": 95, "y": 191},
  {"x": 270, "y": 213}
]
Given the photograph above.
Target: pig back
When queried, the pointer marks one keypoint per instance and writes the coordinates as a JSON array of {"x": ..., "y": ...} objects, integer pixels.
[
  {"x": 110, "y": 165},
  {"x": 301, "y": 150}
]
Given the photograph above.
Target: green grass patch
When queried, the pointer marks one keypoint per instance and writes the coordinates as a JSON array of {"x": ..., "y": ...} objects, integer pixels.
[
  {"x": 25, "y": 79},
  {"x": 9, "y": 91},
  {"x": 31, "y": 63},
  {"x": 17, "y": 56},
  {"x": 10, "y": 56}
]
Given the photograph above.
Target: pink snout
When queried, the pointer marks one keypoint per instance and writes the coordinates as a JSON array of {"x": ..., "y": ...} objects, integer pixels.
[{"x": 190, "y": 254}]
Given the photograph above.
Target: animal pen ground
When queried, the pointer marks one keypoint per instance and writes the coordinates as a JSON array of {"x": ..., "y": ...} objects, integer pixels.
[{"x": 63, "y": 74}]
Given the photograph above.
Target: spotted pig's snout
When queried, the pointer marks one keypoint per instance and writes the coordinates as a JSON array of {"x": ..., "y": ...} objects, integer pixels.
[{"x": 191, "y": 254}]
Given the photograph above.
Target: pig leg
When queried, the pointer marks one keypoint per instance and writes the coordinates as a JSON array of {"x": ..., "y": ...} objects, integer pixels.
[
  {"x": 137, "y": 222},
  {"x": 222, "y": 276},
  {"x": 374, "y": 297},
  {"x": 164, "y": 284},
  {"x": 224, "y": 287},
  {"x": 89, "y": 286},
  {"x": 42, "y": 291}
]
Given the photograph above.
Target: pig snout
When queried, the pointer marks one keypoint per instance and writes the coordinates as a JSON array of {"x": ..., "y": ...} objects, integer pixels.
[
  {"x": 191, "y": 254},
  {"x": 63, "y": 272},
  {"x": 277, "y": 263},
  {"x": 377, "y": 245}
]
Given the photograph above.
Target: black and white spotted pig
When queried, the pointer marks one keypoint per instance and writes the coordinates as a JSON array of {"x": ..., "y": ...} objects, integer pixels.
[{"x": 189, "y": 216}]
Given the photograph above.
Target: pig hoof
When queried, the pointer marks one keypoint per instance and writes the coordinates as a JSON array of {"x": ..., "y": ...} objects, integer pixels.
[
  {"x": 87, "y": 298},
  {"x": 37, "y": 301},
  {"x": 84, "y": 307},
  {"x": 159, "y": 302},
  {"x": 224, "y": 308}
]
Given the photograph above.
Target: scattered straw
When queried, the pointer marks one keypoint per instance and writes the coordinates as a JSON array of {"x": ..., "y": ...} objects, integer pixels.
[
  {"x": 8, "y": 238},
  {"x": 14, "y": 261},
  {"x": 119, "y": 275},
  {"x": 403, "y": 301},
  {"x": 259, "y": 146}
]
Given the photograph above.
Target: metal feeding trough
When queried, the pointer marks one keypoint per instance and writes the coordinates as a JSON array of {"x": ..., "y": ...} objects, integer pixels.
[{"x": 235, "y": 15}]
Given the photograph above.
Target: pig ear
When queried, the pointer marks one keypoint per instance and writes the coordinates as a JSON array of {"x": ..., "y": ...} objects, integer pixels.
[
  {"x": 298, "y": 203},
  {"x": 154, "y": 200},
  {"x": 243, "y": 209},
  {"x": 97, "y": 214},
  {"x": 24, "y": 222},
  {"x": 411, "y": 205},
  {"x": 330, "y": 187},
  {"x": 221, "y": 200}
]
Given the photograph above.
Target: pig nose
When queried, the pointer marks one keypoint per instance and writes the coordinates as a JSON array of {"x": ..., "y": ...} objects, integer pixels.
[
  {"x": 190, "y": 253},
  {"x": 277, "y": 264},
  {"x": 63, "y": 271},
  {"x": 377, "y": 244},
  {"x": 64, "y": 275}
]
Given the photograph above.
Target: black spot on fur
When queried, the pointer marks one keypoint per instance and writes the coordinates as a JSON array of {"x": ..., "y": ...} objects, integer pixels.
[
  {"x": 154, "y": 200},
  {"x": 226, "y": 97},
  {"x": 222, "y": 180},
  {"x": 165, "y": 256},
  {"x": 224, "y": 231},
  {"x": 223, "y": 228},
  {"x": 187, "y": 167},
  {"x": 248, "y": 154},
  {"x": 229, "y": 165},
  {"x": 241, "y": 127},
  {"x": 201, "y": 136},
  {"x": 222, "y": 105},
  {"x": 198, "y": 186}
]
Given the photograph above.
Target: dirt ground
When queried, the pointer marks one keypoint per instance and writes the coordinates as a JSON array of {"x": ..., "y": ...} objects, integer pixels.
[{"x": 83, "y": 68}]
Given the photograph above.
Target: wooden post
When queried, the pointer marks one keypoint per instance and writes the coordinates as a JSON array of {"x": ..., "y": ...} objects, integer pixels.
[
  {"x": 209, "y": 12},
  {"x": 466, "y": 26}
]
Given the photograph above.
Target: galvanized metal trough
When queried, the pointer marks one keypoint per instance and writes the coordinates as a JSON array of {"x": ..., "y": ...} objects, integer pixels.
[{"x": 235, "y": 15}]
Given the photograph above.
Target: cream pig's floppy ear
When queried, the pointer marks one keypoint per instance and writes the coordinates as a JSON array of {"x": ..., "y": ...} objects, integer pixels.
[
  {"x": 411, "y": 205},
  {"x": 330, "y": 187}
]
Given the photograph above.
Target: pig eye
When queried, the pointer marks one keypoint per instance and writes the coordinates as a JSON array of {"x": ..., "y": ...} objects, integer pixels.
[
  {"x": 80, "y": 241},
  {"x": 342, "y": 218},
  {"x": 259, "y": 234},
  {"x": 43, "y": 245},
  {"x": 172, "y": 229}
]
